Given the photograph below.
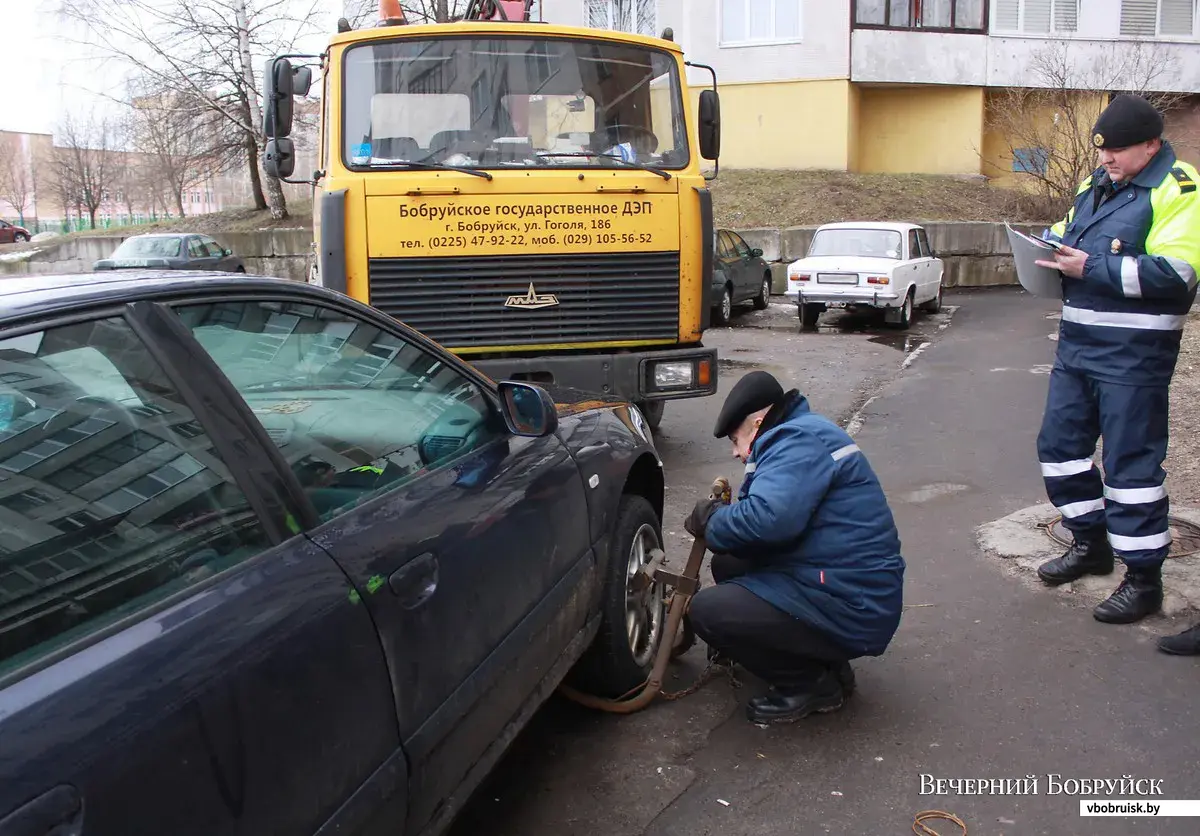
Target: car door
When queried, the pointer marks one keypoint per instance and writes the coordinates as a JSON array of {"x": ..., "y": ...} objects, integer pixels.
[
  {"x": 932, "y": 267},
  {"x": 914, "y": 269},
  {"x": 217, "y": 252},
  {"x": 469, "y": 545},
  {"x": 727, "y": 261},
  {"x": 172, "y": 658},
  {"x": 7, "y": 233},
  {"x": 199, "y": 258}
]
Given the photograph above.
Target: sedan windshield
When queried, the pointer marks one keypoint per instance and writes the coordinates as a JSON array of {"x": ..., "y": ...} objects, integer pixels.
[
  {"x": 148, "y": 248},
  {"x": 872, "y": 243},
  {"x": 511, "y": 102}
]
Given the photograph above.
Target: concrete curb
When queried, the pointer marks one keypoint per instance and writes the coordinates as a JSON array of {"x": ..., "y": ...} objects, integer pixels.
[{"x": 1020, "y": 541}]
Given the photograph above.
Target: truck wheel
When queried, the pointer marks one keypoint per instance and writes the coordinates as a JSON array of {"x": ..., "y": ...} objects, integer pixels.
[
  {"x": 763, "y": 299},
  {"x": 623, "y": 653},
  {"x": 653, "y": 413},
  {"x": 724, "y": 310}
]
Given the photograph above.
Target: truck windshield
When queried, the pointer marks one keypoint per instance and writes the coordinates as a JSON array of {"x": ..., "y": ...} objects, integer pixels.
[{"x": 511, "y": 103}]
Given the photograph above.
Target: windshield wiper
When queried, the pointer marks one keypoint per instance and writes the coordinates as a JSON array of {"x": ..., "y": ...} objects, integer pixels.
[
  {"x": 663, "y": 174},
  {"x": 437, "y": 166}
]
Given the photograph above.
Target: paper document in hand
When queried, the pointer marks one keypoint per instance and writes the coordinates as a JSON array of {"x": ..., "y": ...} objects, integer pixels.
[{"x": 1038, "y": 280}]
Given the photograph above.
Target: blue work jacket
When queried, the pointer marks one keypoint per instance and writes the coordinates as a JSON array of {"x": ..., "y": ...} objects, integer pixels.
[
  {"x": 1123, "y": 321},
  {"x": 812, "y": 519}
]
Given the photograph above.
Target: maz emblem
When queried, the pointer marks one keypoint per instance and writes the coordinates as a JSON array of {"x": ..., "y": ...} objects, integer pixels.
[{"x": 532, "y": 299}]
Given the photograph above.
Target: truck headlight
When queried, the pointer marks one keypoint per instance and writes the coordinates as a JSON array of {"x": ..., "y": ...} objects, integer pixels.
[{"x": 674, "y": 375}]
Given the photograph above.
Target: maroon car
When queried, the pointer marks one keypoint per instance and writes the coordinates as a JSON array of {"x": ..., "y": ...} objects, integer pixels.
[{"x": 11, "y": 233}]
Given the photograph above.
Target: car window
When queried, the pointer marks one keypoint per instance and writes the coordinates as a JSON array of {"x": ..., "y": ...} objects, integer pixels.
[
  {"x": 111, "y": 495},
  {"x": 923, "y": 238},
  {"x": 157, "y": 247},
  {"x": 914, "y": 248},
  {"x": 739, "y": 245},
  {"x": 196, "y": 248},
  {"x": 354, "y": 409},
  {"x": 215, "y": 250},
  {"x": 726, "y": 246}
]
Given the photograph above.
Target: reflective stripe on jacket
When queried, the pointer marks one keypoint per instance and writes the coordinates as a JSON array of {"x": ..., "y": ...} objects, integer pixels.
[
  {"x": 1124, "y": 320},
  {"x": 812, "y": 519}
]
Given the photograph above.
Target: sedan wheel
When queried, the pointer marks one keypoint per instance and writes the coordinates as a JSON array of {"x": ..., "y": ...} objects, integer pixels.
[
  {"x": 645, "y": 609},
  {"x": 724, "y": 312}
]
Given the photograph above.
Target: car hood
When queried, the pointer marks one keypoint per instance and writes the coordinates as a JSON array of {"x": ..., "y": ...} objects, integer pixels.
[{"x": 844, "y": 264}]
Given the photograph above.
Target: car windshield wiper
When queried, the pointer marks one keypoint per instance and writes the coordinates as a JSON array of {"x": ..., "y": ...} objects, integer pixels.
[
  {"x": 589, "y": 154},
  {"x": 430, "y": 165}
]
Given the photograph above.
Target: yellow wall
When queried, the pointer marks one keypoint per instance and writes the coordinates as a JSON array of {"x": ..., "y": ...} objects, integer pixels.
[
  {"x": 785, "y": 125},
  {"x": 920, "y": 130},
  {"x": 1038, "y": 127}
]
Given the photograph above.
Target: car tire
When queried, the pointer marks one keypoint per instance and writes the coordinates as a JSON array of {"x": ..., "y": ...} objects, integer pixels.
[
  {"x": 723, "y": 312},
  {"x": 810, "y": 314},
  {"x": 21, "y": 239},
  {"x": 618, "y": 660},
  {"x": 935, "y": 304},
  {"x": 763, "y": 300},
  {"x": 906, "y": 311}
]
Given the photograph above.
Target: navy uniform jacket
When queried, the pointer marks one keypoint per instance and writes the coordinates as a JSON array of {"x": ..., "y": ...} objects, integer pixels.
[
  {"x": 1123, "y": 321},
  {"x": 813, "y": 520}
]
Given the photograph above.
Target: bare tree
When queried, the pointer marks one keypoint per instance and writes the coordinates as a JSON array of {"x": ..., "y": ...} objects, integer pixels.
[
  {"x": 16, "y": 175},
  {"x": 362, "y": 13},
  {"x": 207, "y": 53},
  {"x": 87, "y": 166},
  {"x": 1049, "y": 126},
  {"x": 180, "y": 139}
]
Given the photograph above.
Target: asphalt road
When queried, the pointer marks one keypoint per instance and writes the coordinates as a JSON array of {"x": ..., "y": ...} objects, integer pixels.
[{"x": 987, "y": 678}]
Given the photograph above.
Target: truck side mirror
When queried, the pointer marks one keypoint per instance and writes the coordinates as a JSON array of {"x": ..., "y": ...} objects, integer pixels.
[
  {"x": 278, "y": 89},
  {"x": 302, "y": 79},
  {"x": 279, "y": 160},
  {"x": 710, "y": 125}
]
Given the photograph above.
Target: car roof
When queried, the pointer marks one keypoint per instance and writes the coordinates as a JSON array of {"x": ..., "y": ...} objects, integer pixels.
[
  {"x": 38, "y": 295},
  {"x": 893, "y": 226}
]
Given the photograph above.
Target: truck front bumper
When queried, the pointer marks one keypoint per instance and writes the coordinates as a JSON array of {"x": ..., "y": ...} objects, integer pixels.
[{"x": 634, "y": 376}]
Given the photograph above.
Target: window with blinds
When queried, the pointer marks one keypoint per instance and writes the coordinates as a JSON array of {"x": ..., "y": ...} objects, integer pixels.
[
  {"x": 1036, "y": 16},
  {"x": 1149, "y": 18}
]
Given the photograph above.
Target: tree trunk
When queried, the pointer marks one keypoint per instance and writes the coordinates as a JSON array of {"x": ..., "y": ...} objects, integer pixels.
[
  {"x": 275, "y": 198},
  {"x": 92, "y": 216},
  {"x": 256, "y": 186},
  {"x": 179, "y": 201}
]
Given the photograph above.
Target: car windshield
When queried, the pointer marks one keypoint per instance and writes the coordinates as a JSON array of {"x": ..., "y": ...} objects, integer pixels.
[
  {"x": 512, "y": 102},
  {"x": 873, "y": 243},
  {"x": 148, "y": 248}
]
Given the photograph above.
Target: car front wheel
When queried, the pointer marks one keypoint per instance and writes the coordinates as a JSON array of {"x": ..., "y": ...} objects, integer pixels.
[{"x": 634, "y": 619}]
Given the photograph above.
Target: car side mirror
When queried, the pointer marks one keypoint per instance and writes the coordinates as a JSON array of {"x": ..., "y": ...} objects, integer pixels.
[
  {"x": 227, "y": 251},
  {"x": 756, "y": 252},
  {"x": 529, "y": 411},
  {"x": 710, "y": 125}
]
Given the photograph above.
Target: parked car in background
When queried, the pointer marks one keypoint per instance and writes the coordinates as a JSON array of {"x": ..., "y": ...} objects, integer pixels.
[
  {"x": 164, "y": 251},
  {"x": 888, "y": 267},
  {"x": 272, "y": 562},
  {"x": 12, "y": 234},
  {"x": 740, "y": 275}
]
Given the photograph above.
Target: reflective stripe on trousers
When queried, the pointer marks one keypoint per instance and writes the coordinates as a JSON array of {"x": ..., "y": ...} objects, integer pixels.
[{"x": 1131, "y": 500}]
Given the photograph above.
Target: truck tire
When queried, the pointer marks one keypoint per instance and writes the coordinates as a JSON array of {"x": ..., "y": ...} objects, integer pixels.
[
  {"x": 653, "y": 411},
  {"x": 622, "y": 654}
]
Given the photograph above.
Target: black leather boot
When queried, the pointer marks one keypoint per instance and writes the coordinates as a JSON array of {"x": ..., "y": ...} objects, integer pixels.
[
  {"x": 781, "y": 705},
  {"x": 845, "y": 675},
  {"x": 1139, "y": 595},
  {"x": 1186, "y": 643},
  {"x": 1090, "y": 554}
]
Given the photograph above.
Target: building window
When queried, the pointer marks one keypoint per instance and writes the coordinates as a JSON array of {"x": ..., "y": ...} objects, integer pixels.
[
  {"x": 1150, "y": 18},
  {"x": 759, "y": 21},
  {"x": 948, "y": 15},
  {"x": 1037, "y": 17},
  {"x": 634, "y": 16},
  {"x": 1030, "y": 161}
]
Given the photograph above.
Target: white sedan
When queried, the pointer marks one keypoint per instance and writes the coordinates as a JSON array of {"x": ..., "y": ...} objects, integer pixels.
[{"x": 886, "y": 266}]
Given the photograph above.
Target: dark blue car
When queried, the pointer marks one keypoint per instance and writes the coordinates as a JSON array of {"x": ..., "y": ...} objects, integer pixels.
[{"x": 273, "y": 563}]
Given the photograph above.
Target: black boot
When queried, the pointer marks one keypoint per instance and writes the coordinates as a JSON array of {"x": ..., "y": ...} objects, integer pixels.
[
  {"x": 1090, "y": 554},
  {"x": 845, "y": 676},
  {"x": 1139, "y": 595},
  {"x": 787, "y": 705},
  {"x": 1186, "y": 643}
]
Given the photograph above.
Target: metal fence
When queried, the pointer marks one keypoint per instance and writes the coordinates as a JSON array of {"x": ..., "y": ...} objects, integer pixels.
[{"x": 63, "y": 226}]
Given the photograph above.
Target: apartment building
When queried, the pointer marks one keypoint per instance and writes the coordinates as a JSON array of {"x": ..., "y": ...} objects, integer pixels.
[{"x": 911, "y": 85}]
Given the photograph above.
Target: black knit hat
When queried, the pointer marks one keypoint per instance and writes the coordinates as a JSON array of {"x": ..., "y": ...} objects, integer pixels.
[
  {"x": 1127, "y": 121},
  {"x": 757, "y": 390}
]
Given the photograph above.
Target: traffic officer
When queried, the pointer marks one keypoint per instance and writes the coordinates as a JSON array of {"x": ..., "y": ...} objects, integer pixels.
[
  {"x": 1129, "y": 263},
  {"x": 807, "y": 561}
]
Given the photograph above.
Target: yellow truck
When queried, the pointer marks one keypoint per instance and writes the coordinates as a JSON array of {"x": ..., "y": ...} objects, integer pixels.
[{"x": 528, "y": 195}]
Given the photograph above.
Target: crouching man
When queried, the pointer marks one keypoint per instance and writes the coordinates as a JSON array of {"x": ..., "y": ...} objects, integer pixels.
[{"x": 807, "y": 562}]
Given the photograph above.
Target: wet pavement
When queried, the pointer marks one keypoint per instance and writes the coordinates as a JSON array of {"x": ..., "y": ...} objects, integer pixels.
[{"x": 988, "y": 677}]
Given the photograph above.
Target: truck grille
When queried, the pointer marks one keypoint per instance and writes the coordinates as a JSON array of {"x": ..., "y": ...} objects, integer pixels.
[{"x": 602, "y": 297}]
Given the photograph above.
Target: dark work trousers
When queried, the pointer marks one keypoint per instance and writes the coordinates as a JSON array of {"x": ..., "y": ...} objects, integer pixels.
[
  {"x": 1131, "y": 500},
  {"x": 774, "y": 646}
]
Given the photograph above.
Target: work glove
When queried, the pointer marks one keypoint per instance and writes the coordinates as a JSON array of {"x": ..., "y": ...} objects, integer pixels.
[{"x": 697, "y": 521}]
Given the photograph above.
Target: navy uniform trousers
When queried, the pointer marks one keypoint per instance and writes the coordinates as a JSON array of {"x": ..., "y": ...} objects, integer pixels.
[{"x": 1130, "y": 500}]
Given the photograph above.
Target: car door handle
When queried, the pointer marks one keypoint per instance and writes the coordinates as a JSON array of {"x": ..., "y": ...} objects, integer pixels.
[
  {"x": 415, "y": 582},
  {"x": 58, "y": 812}
]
